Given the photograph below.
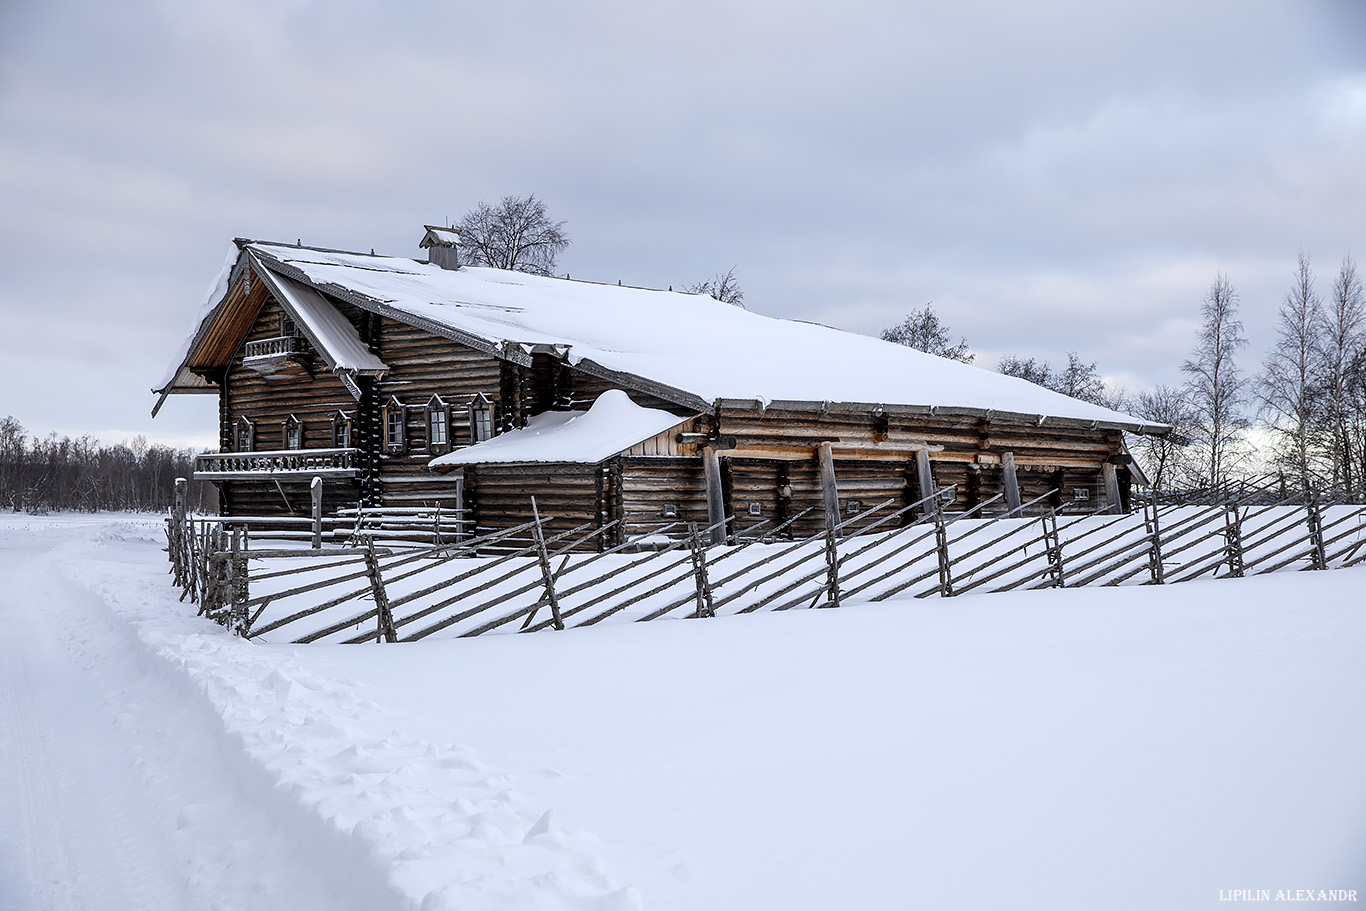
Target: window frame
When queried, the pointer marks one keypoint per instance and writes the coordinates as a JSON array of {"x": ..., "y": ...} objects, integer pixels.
[
  {"x": 438, "y": 414},
  {"x": 292, "y": 427},
  {"x": 341, "y": 421},
  {"x": 244, "y": 429},
  {"x": 481, "y": 419},
  {"x": 395, "y": 434}
]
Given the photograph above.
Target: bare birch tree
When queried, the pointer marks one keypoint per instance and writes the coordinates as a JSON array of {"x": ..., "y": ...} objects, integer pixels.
[
  {"x": 1341, "y": 337},
  {"x": 1216, "y": 386},
  {"x": 517, "y": 234},
  {"x": 1288, "y": 390}
]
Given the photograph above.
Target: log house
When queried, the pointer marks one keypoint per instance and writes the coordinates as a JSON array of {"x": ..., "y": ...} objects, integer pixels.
[{"x": 409, "y": 383}]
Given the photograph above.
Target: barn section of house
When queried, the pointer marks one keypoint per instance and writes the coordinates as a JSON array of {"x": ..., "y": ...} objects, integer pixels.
[{"x": 404, "y": 383}]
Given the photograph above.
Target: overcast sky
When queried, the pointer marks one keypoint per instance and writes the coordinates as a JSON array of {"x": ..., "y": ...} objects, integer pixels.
[{"x": 1054, "y": 176}]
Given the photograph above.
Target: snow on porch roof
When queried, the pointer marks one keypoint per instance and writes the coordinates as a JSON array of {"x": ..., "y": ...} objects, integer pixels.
[
  {"x": 613, "y": 424},
  {"x": 701, "y": 348}
]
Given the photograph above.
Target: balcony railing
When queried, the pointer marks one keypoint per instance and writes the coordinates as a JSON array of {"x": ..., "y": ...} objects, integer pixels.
[
  {"x": 273, "y": 347},
  {"x": 277, "y": 464}
]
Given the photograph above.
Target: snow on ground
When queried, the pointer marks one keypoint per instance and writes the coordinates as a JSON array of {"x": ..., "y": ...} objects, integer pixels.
[{"x": 1132, "y": 748}]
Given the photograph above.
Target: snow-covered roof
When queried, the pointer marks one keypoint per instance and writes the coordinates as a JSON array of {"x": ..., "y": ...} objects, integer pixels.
[
  {"x": 611, "y": 425},
  {"x": 686, "y": 348},
  {"x": 329, "y": 331},
  {"x": 436, "y": 236}
]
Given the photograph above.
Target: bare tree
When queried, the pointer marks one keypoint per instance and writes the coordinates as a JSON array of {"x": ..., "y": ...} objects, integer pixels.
[
  {"x": 1340, "y": 338},
  {"x": 924, "y": 331},
  {"x": 1078, "y": 379},
  {"x": 1165, "y": 459},
  {"x": 1217, "y": 388},
  {"x": 517, "y": 235},
  {"x": 1287, "y": 389},
  {"x": 1037, "y": 372},
  {"x": 725, "y": 288}
]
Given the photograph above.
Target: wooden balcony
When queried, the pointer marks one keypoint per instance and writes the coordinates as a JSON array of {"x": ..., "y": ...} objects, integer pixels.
[
  {"x": 283, "y": 359},
  {"x": 277, "y": 465}
]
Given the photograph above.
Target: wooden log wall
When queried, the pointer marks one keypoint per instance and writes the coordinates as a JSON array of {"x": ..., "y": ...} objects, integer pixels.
[
  {"x": 423, "y": 365},
  {"x": 500, "y": 495},
  {"x": 314, "y": 401},
  {"x": 970, "y": 459},
  {"x": 586, "y": 389},
  {"x": 263, "y": 498},
  {"x": 650, "y": 484}
]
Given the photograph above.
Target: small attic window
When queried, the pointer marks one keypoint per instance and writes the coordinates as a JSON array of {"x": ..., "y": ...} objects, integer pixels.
[
  {"x": 288, "y": 329},
  {"x": 438, "y": 425},
  {"x": 293, "y": 433},
  {"x": 244, "y": 435}
]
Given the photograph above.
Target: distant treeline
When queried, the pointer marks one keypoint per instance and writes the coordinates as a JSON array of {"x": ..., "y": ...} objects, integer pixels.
[{"x": 59, "y": 473}]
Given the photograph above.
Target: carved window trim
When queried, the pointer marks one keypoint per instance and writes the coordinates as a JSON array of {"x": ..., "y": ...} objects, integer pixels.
[
  {"x": 341, "y": 430},
  {"x": 244, "y": 434},
  {"x": 438, "y": 425},
  {"x": 395, "y": 420},
  {"x": 481, "y": 419},
  {"x": 292, "y": 433}
]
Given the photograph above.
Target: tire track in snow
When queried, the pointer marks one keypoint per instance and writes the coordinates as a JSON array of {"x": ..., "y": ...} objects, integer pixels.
[{"x": 115, "y": 792}]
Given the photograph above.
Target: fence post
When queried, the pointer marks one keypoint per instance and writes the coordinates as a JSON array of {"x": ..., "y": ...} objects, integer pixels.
[
  {"x": 1317, "y": 558},
  {"x": 832, "y": 571},
  {"x": 1155, "y": 568},
  {"x": 237, "y": 583},
  {"x": 547, "y": 574},
  {"x": 941, "y": 546},
  {"x": 1053, "y": 548},
  {"x": 316, "y": 490},
  {"x": 1233, "y": 540},
  {"x": 384, "y": 616},
  {"x": 705, "y": 608}
]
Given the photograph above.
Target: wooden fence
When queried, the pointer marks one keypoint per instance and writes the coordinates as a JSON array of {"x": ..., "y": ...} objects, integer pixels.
[{"x": 374, "y": 588}]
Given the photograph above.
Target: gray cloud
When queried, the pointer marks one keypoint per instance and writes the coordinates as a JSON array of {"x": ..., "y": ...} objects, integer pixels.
[{"x": 1055, "y": 176}]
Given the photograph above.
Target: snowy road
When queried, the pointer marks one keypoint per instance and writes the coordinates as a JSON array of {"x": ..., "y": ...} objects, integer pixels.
[{"x": 114, "y": 792}]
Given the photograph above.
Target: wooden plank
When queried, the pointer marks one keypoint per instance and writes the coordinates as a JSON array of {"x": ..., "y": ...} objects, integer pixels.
[
  {"x": 830, "y": 494},
  {"x": 1011, "y": 482},
  {"x": 716, "y": 504}
]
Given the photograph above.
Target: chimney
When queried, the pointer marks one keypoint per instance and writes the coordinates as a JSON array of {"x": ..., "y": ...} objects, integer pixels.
[{"x": 442, "y": 246}]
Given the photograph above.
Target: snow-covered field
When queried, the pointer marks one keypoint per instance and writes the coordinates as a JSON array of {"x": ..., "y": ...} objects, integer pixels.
[{"x": 1117, "y": 748}]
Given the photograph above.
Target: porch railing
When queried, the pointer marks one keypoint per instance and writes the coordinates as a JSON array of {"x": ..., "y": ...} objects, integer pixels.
[{"x": 323, "y": 463}]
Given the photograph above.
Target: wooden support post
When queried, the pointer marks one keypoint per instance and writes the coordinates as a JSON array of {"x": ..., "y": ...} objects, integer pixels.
[
  {"x": 705, "y": 607},
  {"x": 384, "y": 615},
  {"x": 925, "y": 477},
  {"x": 716, "y": 501},
  {"x": 830, "y": 494},
  {"x": 547, "y": 574},
  {"x": 1113, "y": 505},
  {"x": 315, "y": 489},
  {"x": 1010, "y": 483}
]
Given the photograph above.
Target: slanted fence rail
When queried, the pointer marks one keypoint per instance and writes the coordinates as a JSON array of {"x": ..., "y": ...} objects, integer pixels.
[{"x": 406, "y": 576}]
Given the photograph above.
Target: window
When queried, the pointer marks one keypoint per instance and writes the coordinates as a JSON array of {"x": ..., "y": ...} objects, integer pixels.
[
  {"x": 481, "y": 419},
  {"x": 756, "y": 509},
  {"x": 244, "y": 436},
  {"x": 294, "y": 433},
  {"x": 341, "y": 430},
  {"x": 438, "y": 425},
  {"x": 1081, "y": 493},
  {"x": 287, "y": 327},
  {"x": 395, "y": 416}
]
